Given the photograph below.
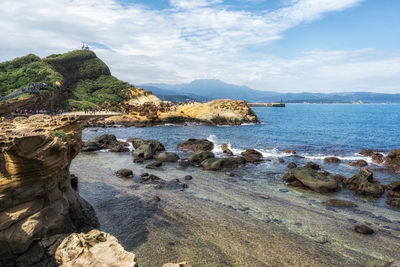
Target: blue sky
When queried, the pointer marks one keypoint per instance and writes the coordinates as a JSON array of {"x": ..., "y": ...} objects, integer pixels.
[{"x": 281, "y": 45}]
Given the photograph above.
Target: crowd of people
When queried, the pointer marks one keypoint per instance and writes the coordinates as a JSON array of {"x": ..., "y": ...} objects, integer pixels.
[{"x": 40, "y": 111}]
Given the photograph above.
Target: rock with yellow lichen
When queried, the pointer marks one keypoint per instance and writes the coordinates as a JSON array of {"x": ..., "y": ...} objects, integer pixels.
[
  {"x": 95, "y": 248},
  {"x": 36, "y": 197}
]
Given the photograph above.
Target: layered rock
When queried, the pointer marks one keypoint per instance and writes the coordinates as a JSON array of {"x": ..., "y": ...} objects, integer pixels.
[
  {"x": 193, "y": 144},
  {"x": 95, "y": 248},
  {"x": 36, "y": 197},
  {"x": 392, "y": 160},
  {"x": 312, "y": 179}
]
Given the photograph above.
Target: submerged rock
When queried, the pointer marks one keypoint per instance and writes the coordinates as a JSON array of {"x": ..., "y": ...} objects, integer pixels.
[
  {"x": 252, "y": 156},
  {"x": 199, "y": 156},
  {"x": 217, "y": 164},
  {"x": 292, "y": 165},
  {"x": 188, "y": 177},
  {"x": 363, "y": 229},
  {"x": 124, "y": 173},
  {"x": 312, "y": 165},
  {"x": 312, "y": 179},
  {"x": 95, "y": 248},
  {"x": 339, "y": 203},
  {"x": 290, "y": 151},
  {"x": 105, "y": 141},
  {"x": 154, "y": 165},
  {"x": 196, "y": 145},
  {"x": 376, "y": 157},
  {"x": 166, "y": 157},
  {"x": 332, "y": 160},
  {"x": 364, "y": 183},
  {"x": 358, "y": 163},
  {"x": 392, "y": 160}
]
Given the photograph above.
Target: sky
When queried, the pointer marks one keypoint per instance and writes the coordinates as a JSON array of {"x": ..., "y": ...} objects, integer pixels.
[{"x": 272, "y": 45}]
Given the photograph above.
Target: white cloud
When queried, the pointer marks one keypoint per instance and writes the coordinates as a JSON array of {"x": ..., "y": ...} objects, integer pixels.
[{"x": 192, "y": 39}]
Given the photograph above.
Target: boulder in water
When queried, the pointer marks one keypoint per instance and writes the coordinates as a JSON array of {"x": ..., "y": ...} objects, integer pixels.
[
  {"x": 252, "y": 156},
  {"x": 312, "y": 179},
  {"x": 196, "y": 145},
  {"x": 290, "y": 151},
  {"x": 226, "y": 150},
  {"x": 154, "y": 165},
  {"x": 358, "y": 163},
  {"x": 124, "y": 173},
  {"x": 313, "y": 166},
  {"x": 364, "y": 183},
  {"x": 392, "y": 160},
  {"x": 332, "y": 160},
  {"x": 199, "y": 156},
  {"x": 292, "y": 165},
  {"x": 363, "y": 229},
  {"x": 145, "y": 151},
  {"x": 166, "y": 157},
  {"x": 215, "y": 164}
]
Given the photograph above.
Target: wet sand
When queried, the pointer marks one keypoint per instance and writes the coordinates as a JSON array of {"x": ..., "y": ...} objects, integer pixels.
[{"x": 223, "y": 221}]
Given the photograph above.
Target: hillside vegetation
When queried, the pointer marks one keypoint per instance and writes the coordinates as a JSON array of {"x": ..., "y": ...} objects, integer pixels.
[{"x": 86, "y": 77}]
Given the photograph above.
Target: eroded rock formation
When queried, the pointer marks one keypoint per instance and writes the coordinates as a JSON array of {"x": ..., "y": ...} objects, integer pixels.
[{"x": 36, "y": 198}]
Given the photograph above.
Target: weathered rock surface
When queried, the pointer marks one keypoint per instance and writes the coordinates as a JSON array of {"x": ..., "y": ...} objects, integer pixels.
[
  {"x": 312, "y": 165},
  {"x": 292, "y": 165},
  {"x": 137, "y": 142},
  {"x": 312, "y": 179},
  {"x": 181, "y": 264},
  {"x": 358, "y": 163},
  {"x": 196, "y": 145},
  {"x": 252, "y": 156},
  {"x": 166, "y": 157},
  {"x": 217, "y": 164},
  {"x": 225, "y": 149},
  {"x": 392, "y": 160},
  {"x": 290, "y": 151},
  {"x": 36, "y": 197},
  {"x": 376, "y": 157},
  {"x": 198, "y": 156},
  {"x": 95, "y": 249},
  {"x": 364, "y": 183},
  {"x": 154, "y": 165}
]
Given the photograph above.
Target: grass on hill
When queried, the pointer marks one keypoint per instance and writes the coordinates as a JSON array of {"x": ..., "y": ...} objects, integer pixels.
[{"x": 23, "y": 71}]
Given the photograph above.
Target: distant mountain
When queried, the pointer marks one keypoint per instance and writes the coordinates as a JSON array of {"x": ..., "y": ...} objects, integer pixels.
[{"x": 203, "y": 90}]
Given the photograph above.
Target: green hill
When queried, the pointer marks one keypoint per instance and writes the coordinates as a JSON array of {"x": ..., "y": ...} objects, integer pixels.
[{"x": 86, "y": 78}]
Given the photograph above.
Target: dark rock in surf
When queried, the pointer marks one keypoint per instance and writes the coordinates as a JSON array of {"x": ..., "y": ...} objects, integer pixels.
[
  {"x": 358, "y": 163},
  {"x": 312, "y": 165},
  {"x": 364, "y": 183},
  {"x": 252, "y": 156},
  {"x": 199, "y": 156},
  {"x": 339, "y": 203},
  {"x": 124, "y": 173},
  {"x": 154, "y": 165},
  {"x": 166, "y": 157},
  {"x": 363, "y": 229},
  {"x": 392, "y": 161},
  {"x": 332, "y": 160},
  {"x": 292, "y": 165},
  {"x": 312, "y": 179},
  {"x": 196, "y": 145}
]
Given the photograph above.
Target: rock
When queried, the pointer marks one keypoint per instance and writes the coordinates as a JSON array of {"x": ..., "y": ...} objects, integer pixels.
[
  {"x": 339, "y": 203},
  {"x": 376, "y": 157},
  {"x": 144, "y": 152},
  {"x": 395, "y": 264},
  {"x": 281, "y": 160},
  {"x": 183, "y": 163},
  {"x": 95, "y": 248},
  {"x": 74, "y": 181},
  {"x": 364, "y": 183},
  {"x": 332, "y": 160},
  {"x": 196, "y": 145},
  {"x": 150, "y": 179},
  {"x": 156, "y": 199},
  {"x": 215, "y": 164},
  {"x": 339, "y": 177},
  {"x": 181, "y": 264},
  {"x": 105, "y": 141},
  {"x": 144, "y": 174},
  {"x": 252, "y": 156},
  {"x": 119, "y": 148},
  {"x": 91, "y": 146},
  {"x": 231, "y": 174},
  {"x": 124, "y": 173},
  {"x": 154, "y": 165},
  {"x": 312, "y": 165},
  {"x": 392, "y": 160},
  {"x": 199, "y": 156},
  {"x": 358, "y": 163},
  {"x": 366, "y": 152},
  {"x": 226, "y": 150},
  {"x": 166, "y": 157},
  {"x": 311, "y": 179},
  {"x": 290, "y": 151},
  {"x": 37, "y": 199},
  {"x": 363, "y": 229},
  {"x": 393, "y": 189},
  {"x": 395, "y": 201},
  {"x": 292, "y": 165},
  {"x": 188, "y": 177},
  {"x": 184, "y": 185},
  {"x": 137, "y": 142},
  {"x": 264, "y": 197}
]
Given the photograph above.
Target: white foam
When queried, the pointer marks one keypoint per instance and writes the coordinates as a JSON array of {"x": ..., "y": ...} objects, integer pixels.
[{"x": 130, "y": 144}]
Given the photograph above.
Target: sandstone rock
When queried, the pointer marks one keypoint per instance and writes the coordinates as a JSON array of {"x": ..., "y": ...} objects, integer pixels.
[
  {"x": 312, "y": 179},
  {"x": 144, "y": 152},
  {"x": 312, "y": 165},
  {"x": 166, "y": 157},
  {"x": 95, "y": 249},
  {"x": 364, "y": 183},
  {"x": 181, "y": 264},
  {"x": 376, "y": 157},
  {"x": 358, "y": 163},
  {"x": 339, "y": 177},
  {"x": 332, "y": 160},
  {"x": 395, "y": 201},
  {"x": 37, "y": 199},
  {"x": 199, "y": 156},
  {"x": 154, "y": 165},
  {"x": 392, "y": 160},
  {"x": 292, "y": 165},
  {"x": 393, "y": 189},
  {"x": 124, "y": 173},
  {"x": 290, "y": 151},
  {"x": 252, "y": 156},
  {"x": 196, "y": 145},
  {"x": 339, "y": 203},
  {"x": 74, "y": 181},
  {"x": 363, "y": 229},
  {"x": 226, "y": 150}
]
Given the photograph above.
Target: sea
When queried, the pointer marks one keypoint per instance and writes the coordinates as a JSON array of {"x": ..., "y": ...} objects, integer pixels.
[{"x": 315, "y": 131}]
